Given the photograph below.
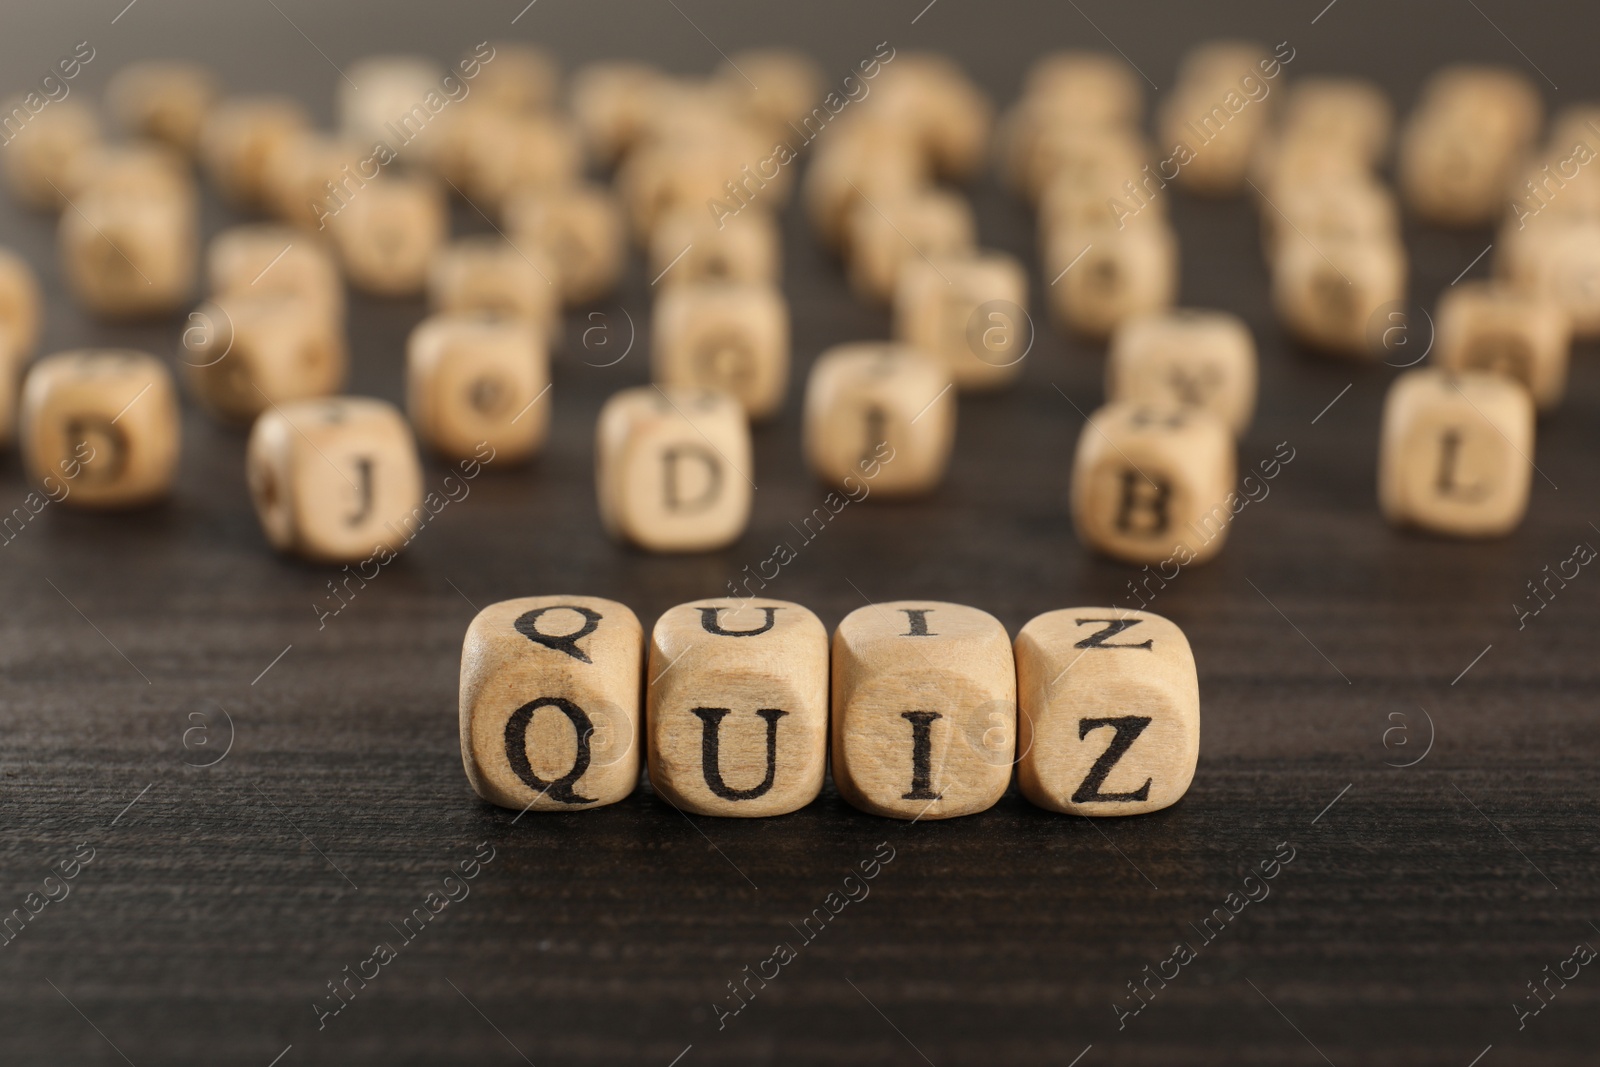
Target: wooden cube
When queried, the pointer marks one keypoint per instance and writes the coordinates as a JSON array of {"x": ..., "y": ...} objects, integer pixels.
[
  {"x": 664, "y": 176},
  {"x": 1558, "y": 258},
  {"x": 310, "y": 179},
  {"x": 1152, "y": 485},
  {"x": 878, "y": 163},
  {"x": 931, "y": 95},
  {"x": 509, "y": 152},
  {"x": 128, "y": 255},
  {"x": 1101, "y": 278},
  {"x": 388, "y": 233},
  {"x": 971, "y": 311},
  {"x": 1106, "y": 158},
  {"x": 493, "y": 276},
  {"x": 271, "y": 258},
  {"x": 1103, "y": 89},
  {"x": 1352, "y": 114},
  {"x": 732, "y": 337},
  {"x": 240, "y": 136},
  {"x": 1109, "y": 720},
  {"x": 1464, "y": 142},
  {"x": 924, "y": 709},
  {"x": 1186, "y": 359},
  {"x": 20, "y": 306},
  {"x": 783, "y": 85},
  {"x": 513, "y": 76},
  {"x": 167, "y": 100},
  {"x": 1221, "y": 141},
  {"x": 689, "y": 246},
  {"x": 475, "y": 379},
  {"x": 382, "y": 98},
  {"x": 1329, "y": 210},
  {"x": 104, "y": 421},
  {"x": 336, "y": 480},
  {"x": 1456, "y": 452},
  {"x": 1330, "y": 294},
  {"x": 248, "y": 349},
  {"x": 41, "y": 140},
  {"x": 883, "y": 235},
  {"x": 145, "y": 168},
  {"x": 879, "y": 415},
  {"x": 1490, "y": 327},
  {"x": 737, "y": 711},
  {"x": 673, "y": 468},
  {"x": 610, "y": 100},
  {"x": 580, "y": 227},
  {"x": 550, "y": 702}
]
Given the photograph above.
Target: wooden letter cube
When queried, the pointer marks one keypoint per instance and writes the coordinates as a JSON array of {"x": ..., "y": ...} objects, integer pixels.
[
  {"x": 1205, "y": 360},
  {"x": 20, "y": 306},
  {"x": 240, "y": 136},
  {"x": 1100, "y": 278},
  {"x": 688, "y": 246},
  {"x": 729, "y": 337},
  {"x": 164, "y": 99},
  {"x": 1456, "y": 452},
  {"x": 247, "y": 349},
  {"x": 883, "y": 235},
  {"x": 737, "y": 715},
  {"x": 42, "y": 141},
  {"x": 1152, "y": 485},
  {"x": 924, "y": 709},
  {"x": 130, "y": 254},
  {"x": 472, "y": 379},
  {"x": 493, "y": 276},
  {"x": 388, "y": 232},
  {"x": 1526, "y": 337},
  {"x": 1330, "y": 294},
  {"x": 673, "y": 468},
  {"x": 271, "y": 258},
  {"x": 550, "y": 695},
  {"x": 1109, "y": 720},
  {"x": 103, "y": 420},
  {"x": 971, "y": 311},
  {"x": 879, "y": 413},
  {"x": 580, "y": 227},
  {"x": 336, "y": 480},
  {"x": 1558, "y": 258}
]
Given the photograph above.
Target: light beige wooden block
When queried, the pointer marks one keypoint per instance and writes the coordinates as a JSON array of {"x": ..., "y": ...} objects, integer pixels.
[
  {"x": 20, "y": 306},
  {"x": 489, "y": 274},
  {"x": 661, "y": 177},
  {"x": 1329, "y": 210},
  {"x": 732, "y": 337},
  {"x": 924, "y": 709},
  {"x": 1331, "y": 294},
  {"x": 336, "y": 480},
  {"x": 167, "y": 100},
  {"x": 673, "y": 468},
  {"x": 105, "y": 422},
  {"x": 239, "y": 137},
  {"x": 475, "y": 379},
  {"x": 1455, "y": 454},
  {"x": 384, "y": 98},
  {"x": 1151, "y": 485},
  {"x": 1100, "y": 278},
  {"x": 971, "y": 311},
  {"x": 1558, "y": 258},
  {"x": 783, "y": 85},
  {"x": 271, "y": 258},
  {"x": 509, "y": 151},
  {"x": 1187, "y": 359},
  {"x": 130, "y": 254},
  {"x": 1292, "y": 161},
  {"x": 1352, "y": 114},
  {"x": 550, "y": 703},
  {"x": 1109, "y": 711},
  {"x": 388, "y": 233},
  {"x": 610, "y": 100},
  {"x": 737, "y": 707},
  {"x": 1105, "y": 158},
  {"x": 580, "y": 227},
  {"x": 689, "y": 246},
  {"x": 41, "y": 140},
  {"x": 881, "y": 416},
  {"x": 513, "y": 76},
  {"x": 310, "y": 179},
  {"x": 870, "y": 162},
  {"x": 146, "y": 168},
  {"x": 247, "y": 349},
  {"x": 1491, "y": 327},
  {"x": 931, "y": 95},
  {"x": 1103, "y": 89},
  {"x": 1463, "y": 143},
  {"x": 883, "y": 235}
]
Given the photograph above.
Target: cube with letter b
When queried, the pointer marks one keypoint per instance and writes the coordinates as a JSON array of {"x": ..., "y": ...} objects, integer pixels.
[
  {"x": 924, "y": 709},
  {"x": 738, "y": 706},
  {"x": 550, "y": 702},
  {"x": 1110, "y": 711}
]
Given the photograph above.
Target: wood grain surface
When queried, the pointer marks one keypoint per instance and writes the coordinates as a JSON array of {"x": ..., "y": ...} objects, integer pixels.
[{"x": 221, "y": 900}]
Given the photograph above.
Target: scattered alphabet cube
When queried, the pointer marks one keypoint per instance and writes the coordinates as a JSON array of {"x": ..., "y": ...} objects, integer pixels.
[
  {"x": 1109, "y": 720},
  {"x": 1151, "y": 485},
  {"x": 272, "y": 258},
  {"x": 1332, "y": 294},
  {"x": 971, "y": 311},
  {"x": 688, "y": 246},
  {"x": 550, "y": 702},
  {"x": 494, "y": 276},
  {"x": 36, "y": 165},
  {"x": 1524, "y": 336},
  {"x": 245, "y": 350},
  {"x": 165, "y": 99},
  {"x": 673, "y": 468},
  {"x": 733, "y": 337},
  {"x": 1100, "y": 278},
  {"x": 130, "y": 254},
  {"x": 105, "y": 420},
  {"x": 239, "y": 138},
  {"x": 20, "y": 306},
  {"x": 335, "y": 480},
  {"x": 387, "y": 233},
  {"x": 882, "y": 236},
  {"x": 924, "y": 709},
  {"x": 1456, "y": 452},
  {"x": 580, "y": 227},
  {"x": 737, "y": 711},
  {"x": 472, "y": 379},
  {"x": 1185, "y": 358}
]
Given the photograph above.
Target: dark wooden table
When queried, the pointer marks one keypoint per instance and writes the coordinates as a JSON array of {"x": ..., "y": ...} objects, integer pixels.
[{"x": 222, "y": 900}]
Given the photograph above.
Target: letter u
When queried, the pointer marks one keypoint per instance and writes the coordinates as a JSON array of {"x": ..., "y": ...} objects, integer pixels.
[{"x": 710, "y": 752}]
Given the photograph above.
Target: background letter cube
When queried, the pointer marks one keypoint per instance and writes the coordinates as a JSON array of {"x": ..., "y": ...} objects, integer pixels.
[
  {"x": 885, "y": 235},
  {"x": 924, "y": 709},
  {"x": 1204, "y": 360},
  {"x": 1328, "y": 294},
  {"x": 738, "y": 706},
  {"x": 335, "y": 480},
  {"x": 580, "y": 227},
  {"x": 729, "y": 337},
  {"x": 550, "y": 702},
  {"x": 969, "y": 310},
  {"x": 128, "y": 254},
  {"x": 248, "y": 349},
  {"x": 1110, "y": 711},
  {"x": 673, "y": 468},
  {"x": 492, "y": 275},
  {"x": 275, "y": 259},
  {"x": 1122, "y": 273},
  {"x": 1523, "y": 336},
  {"x": 387, "y": 232},
  {"x": 1456, "y": 452},
  {"x": 472, "y": 379},
  {"x": 103, "y": 420}
]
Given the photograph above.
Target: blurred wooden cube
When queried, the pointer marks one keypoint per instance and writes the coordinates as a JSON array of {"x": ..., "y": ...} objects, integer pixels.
[
  {"x": 924, "y": 709},
  {"x": 105, "y": 423},
  {"x": 496, "y": 277},
  {"x": 1461, "y": 147},
  {"x": 473, "y": 380},
  {"x": 732, "y": 337},
  {"x": 509, "y": 152},
  {"x": 167, "y": 100},
  {"x": 383, "y": 99},
  {"x": 777, "y": 86},
  {"x": 737, "y": 707},
  {"x": 550, "y": 702},
  {"x": 1153, "y": 485},
  {"x": 512, "y": 76},
  {"x": 1489, "y": 327},
  {"x": 1332, "y": 294},
  {"x": 272, "y": 258},
  {"x": 1329, "y": 211},
  {"x": 877, "y": 163},
  {"x": 884, "y": 235},
  {"x": 1352, "y": 114},
  {"x": 950, "y": 116},
  {"x": 1187, "y": 359},
  {"x": 146, "y": 168},
  {"x": 610, "y": 100},
  {"x": 310, "y": 179},
  {"x": 41, "y": 144},
  {"x": 580, "y": 227},
  {"x": 240, "y": 136},
  {"x": 1558, "y": 258},
  {"x": 1098, "y": 279},
  {"x": 688, "y": 246},
  {"x": 130, "y": 254},
  {"x": 336, "y": 480},
  {"x": 388, "y": 233},
  {"x": 673, "y": 468},
  {"x": 249, "y": 348},
  {"x": 971, "y": 311},
  {"x": 20, "y": 306}
]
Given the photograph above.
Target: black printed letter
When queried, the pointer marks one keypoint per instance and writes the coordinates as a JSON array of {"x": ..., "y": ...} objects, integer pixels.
[{"x": 1128, "y": 727}]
